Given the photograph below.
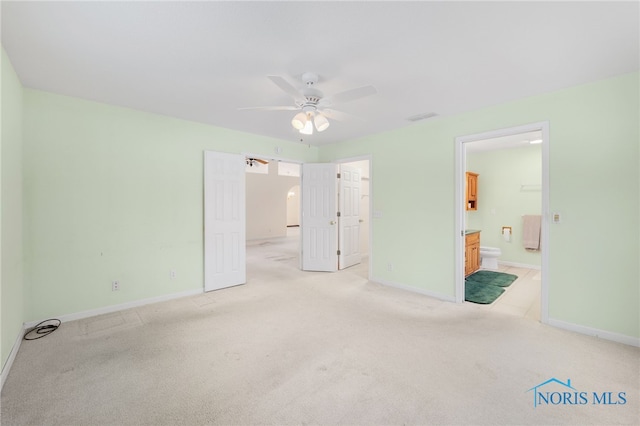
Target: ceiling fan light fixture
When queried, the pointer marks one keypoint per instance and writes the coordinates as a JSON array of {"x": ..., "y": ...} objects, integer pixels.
[
  {"x": 311, "y": 102},
  {"x": 308, "y": 128},
  {"x": 299, "y": 121},
  {"x": 321, "y": 122}
]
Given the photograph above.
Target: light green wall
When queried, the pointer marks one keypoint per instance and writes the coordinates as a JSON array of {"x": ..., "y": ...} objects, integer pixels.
[
  {"x": 113, "y": 193},
  {"x": 11, "y": 267},
  {"x": 413, "y": 191},
  {"x": 503, "y": 202},
  {"x": 594, "y": 182}
]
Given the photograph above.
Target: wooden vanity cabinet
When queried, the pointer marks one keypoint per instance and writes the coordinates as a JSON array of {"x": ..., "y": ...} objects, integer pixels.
[
  {"x": 472, "y": 191},
  {"x": 471, "y": 253}
]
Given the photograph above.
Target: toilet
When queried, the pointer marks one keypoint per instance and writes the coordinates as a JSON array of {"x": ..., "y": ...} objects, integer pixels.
[{"x": 489, "y": 257}]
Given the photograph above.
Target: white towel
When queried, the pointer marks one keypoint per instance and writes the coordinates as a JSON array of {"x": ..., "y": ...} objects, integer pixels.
[{"x": 531, "y": 231}]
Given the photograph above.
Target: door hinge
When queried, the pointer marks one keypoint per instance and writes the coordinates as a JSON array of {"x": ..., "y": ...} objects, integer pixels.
[
  {"x": 338, "y": 252},
  {"x": 338, "y": 214},
  {"x": 338, "y": 175}
]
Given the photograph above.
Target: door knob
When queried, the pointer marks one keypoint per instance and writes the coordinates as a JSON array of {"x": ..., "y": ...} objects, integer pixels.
[
  {"x": 361, "y": 220},
  {"x": 333, "y": 222}
]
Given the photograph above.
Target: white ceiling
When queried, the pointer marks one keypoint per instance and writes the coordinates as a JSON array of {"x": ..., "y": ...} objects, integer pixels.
[{"x": 201, "y": 61}]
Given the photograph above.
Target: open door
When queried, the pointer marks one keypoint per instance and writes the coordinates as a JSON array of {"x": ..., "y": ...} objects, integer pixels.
[
  {"x": 319, "y": 217},
  {"x": 224, "y": 220},
  {"x": 349, "y": 207}
]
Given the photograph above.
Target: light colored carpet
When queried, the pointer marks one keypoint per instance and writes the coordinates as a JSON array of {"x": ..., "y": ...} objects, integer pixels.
[{"x": 291, "y": 347}]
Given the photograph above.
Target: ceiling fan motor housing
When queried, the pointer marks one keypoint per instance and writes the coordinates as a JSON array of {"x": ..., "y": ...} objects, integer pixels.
[
  {"x": 311, "y": 95},
  {"x": 309, "y": 78}
]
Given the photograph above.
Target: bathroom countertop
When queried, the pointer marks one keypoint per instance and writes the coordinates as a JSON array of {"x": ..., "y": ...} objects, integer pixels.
[{"x": 471, "y": 231}]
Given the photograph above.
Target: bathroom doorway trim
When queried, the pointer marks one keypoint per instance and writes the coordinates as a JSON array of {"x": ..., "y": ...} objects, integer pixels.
[{"x": 460, "y": 150}]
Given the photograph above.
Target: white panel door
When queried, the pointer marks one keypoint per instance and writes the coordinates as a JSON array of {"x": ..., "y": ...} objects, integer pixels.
[
  {"x": 349, "y": 220},
  {"x": 319, "y": 217},
  {"x": 224, "y": 220}
]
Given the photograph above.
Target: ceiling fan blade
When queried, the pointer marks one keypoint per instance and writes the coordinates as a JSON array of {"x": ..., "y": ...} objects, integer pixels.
[
  {"x": 286, "y": 87},
  {"x": 338, "y": 115},
  {"x": 272, "y": 108},
  {"x": 261, "y": 161},
  {"x": 353, "y": 94}
]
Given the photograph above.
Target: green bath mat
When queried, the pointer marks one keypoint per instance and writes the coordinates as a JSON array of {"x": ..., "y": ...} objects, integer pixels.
[
  {"x": 485, "y": 287},
  {"x": 494, "y": 278},
  {"x": 481, "y": 293}
]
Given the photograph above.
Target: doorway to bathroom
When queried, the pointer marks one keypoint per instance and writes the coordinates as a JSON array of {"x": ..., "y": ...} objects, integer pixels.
[{"x": 501, "y": 187}]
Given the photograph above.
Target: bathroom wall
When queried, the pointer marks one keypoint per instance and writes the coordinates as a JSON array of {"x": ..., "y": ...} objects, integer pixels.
[{"x": 502, "y": 201}]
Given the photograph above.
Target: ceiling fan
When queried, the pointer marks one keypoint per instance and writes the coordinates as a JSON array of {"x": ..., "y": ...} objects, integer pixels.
[
  {"x": 312, "y": 104},
  {"x": 252, "y": 162}
]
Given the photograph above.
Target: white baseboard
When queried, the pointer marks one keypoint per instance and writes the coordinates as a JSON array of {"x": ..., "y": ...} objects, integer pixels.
[
  {"x": 12, "y": 356},
  {"x": 519, "y": 265},
  {"x": 120, "y": 307},
  {"x": 602, "y": 334},
  {"x": 435, "y": 295}
]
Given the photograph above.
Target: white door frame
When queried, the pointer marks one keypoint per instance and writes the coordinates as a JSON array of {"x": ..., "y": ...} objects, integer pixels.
[{"x": 460, "y": 211}]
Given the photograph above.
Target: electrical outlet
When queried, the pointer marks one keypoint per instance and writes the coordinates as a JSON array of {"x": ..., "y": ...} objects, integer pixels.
[
  {"x": 390, "y": 267},
  {"x": 115, "y": 285},
  {"x": 172, "y": 274}
]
